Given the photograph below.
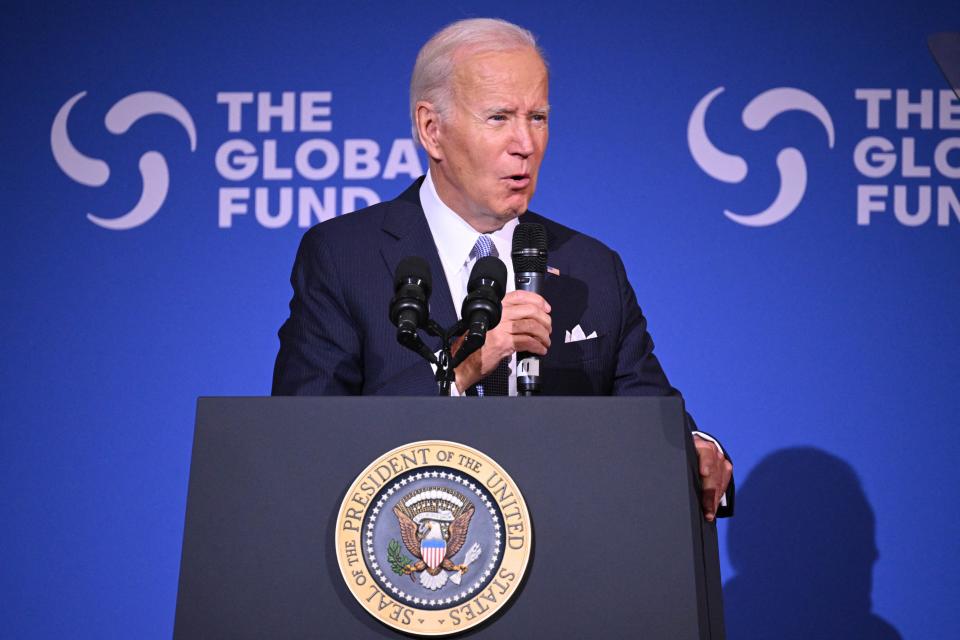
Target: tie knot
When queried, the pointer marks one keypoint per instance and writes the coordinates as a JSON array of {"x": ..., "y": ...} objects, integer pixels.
[{"x": 484, "y": 247}]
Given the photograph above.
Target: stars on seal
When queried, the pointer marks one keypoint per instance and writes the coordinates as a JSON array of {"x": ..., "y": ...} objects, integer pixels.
[{"x": 466, "y": 590}]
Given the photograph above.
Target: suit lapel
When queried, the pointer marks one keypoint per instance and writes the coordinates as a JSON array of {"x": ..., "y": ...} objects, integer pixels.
[
  {"x": 566, "y": 293},
  {"x": 406, "y": 233}
]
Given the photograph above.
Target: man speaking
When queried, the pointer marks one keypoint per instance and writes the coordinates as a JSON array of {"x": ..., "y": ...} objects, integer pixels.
[{"x": 479, "y": 107}]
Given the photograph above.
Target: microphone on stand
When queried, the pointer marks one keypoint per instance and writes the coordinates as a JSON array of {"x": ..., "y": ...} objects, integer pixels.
[
  {"x": 482, "y": 307},
  {"x": 529, "y": 256},
  {"x": 409, "y": 311}
]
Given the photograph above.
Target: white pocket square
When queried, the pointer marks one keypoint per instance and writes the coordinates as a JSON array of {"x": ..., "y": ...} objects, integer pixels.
[{"x": 576, "y": 335}]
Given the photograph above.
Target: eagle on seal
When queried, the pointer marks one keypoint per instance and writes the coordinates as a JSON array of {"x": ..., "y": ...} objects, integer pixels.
[{"x": 430, "y": 544}]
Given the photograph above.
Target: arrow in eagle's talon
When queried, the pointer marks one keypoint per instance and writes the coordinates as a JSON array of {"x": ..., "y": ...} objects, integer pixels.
[{"x": 472, "y": 555}]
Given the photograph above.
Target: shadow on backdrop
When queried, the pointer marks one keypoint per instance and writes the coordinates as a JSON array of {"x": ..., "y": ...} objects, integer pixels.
[{"x": 804, "y": 563}]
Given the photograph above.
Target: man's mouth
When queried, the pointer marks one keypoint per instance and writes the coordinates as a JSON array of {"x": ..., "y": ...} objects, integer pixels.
[{"x": 518, "y": 180}]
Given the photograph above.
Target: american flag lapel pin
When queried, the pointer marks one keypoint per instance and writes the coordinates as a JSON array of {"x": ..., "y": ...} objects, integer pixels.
[{"x": 553, "y": 271}]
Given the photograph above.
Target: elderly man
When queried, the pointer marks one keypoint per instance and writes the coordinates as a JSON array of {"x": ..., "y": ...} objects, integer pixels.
[{"x": 480, "y": 110}]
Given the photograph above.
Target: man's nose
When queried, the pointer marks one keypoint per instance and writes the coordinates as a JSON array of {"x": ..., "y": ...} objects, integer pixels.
[{"x": 522, "y": 143}]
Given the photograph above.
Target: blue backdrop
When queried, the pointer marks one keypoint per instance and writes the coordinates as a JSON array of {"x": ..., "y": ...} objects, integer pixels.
[{"x": 821, "y": 348}]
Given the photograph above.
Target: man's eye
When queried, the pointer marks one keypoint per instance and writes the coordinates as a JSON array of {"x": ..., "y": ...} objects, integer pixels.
[
  {"x": 539, "y": 117},
  {"x": 498, "y": 117}
]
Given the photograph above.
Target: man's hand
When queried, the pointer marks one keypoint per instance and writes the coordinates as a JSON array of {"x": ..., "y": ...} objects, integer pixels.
[
  {"x": 524, "y": 326},
  {"x": 715, "y": 471}
]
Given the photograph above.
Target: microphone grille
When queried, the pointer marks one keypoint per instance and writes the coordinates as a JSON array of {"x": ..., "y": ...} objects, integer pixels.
[
  {"x": 529, "y": 248},
  {"x": 413, "y": 267},
  {"x": 489, "y": 268}
]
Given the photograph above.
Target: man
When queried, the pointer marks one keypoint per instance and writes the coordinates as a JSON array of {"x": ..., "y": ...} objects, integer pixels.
[{"x": 480, "y": 109}]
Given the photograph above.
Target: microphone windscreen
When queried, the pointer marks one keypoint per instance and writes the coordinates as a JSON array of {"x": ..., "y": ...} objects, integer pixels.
[
  {"x": 489, "y": 268},
  {"x": 413, "y": 267},
  {"x": 529, "y": 248}
]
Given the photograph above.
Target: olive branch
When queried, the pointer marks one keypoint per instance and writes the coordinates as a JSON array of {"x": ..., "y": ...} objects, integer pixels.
[{"x": 397, "y": 560}]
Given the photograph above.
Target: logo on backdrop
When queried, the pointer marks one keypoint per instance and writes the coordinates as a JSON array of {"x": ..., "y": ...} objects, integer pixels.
[
  {"x": 277, "y": 171},
  {"x": 94, "y": 172},
  {"x": 733, "y": 169},
  {"x": 279, "y": 150},
  {"x": 909, "y": 174},
  {"x": 433, "y": 538}
]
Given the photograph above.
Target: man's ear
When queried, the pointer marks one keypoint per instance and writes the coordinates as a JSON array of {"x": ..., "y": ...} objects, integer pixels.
[{"x": 428, "y": 128}]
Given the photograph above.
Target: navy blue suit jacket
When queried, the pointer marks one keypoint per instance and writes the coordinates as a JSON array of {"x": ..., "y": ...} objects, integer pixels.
[{"x": 339, "y": 340}]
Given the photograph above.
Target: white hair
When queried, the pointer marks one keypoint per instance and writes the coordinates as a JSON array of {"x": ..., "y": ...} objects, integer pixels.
[{"x": 433, "y": 72}]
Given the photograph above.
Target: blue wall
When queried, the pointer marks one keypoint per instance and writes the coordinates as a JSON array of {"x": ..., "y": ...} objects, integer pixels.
[{"x": 818, "y": 348}]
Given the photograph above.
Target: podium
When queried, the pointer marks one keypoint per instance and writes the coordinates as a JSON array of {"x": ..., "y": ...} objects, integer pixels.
[{"x": 620, "y": 548}]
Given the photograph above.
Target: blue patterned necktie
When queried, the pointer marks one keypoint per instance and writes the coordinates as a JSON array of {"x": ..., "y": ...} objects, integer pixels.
[{"x": 494, "y": 384}]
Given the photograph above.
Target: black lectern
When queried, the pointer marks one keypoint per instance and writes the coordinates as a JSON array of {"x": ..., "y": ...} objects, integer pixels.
[{"x": 620, "y": 549}]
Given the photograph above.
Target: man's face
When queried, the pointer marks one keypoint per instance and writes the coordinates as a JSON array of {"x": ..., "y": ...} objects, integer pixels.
[{"x": 492, "y": 139}]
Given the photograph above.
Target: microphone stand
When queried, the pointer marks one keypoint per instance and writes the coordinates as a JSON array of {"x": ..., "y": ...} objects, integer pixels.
[{"x": 445, "y": 375}]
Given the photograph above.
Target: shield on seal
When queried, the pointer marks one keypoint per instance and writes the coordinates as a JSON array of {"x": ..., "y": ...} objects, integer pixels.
[{"x": 433, "y": 551}]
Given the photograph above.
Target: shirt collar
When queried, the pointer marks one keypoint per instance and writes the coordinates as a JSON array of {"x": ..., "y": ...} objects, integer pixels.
[{"x": 452, "y": 234}]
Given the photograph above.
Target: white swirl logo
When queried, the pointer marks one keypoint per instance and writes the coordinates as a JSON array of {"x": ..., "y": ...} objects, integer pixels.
[
  {"x": 95, "y": 173},
  {"x": 733, "y": 169}
]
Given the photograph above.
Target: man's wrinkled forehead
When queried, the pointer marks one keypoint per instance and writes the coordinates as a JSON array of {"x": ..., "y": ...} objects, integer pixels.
[{"x": 472, "y": 73}]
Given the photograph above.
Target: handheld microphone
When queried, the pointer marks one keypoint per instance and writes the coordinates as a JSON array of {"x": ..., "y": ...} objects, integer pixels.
[
  {"x": 482, "y": 307},
  {"x": 408, "y": 308},
  {"x": 530, "y": 269}
]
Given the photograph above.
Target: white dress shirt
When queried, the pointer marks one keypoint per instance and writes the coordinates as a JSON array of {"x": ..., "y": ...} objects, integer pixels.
[{"x": 454, "y": 239}]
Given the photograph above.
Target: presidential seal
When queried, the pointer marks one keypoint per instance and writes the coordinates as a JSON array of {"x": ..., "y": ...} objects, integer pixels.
[{"x": 433, "y": 538}]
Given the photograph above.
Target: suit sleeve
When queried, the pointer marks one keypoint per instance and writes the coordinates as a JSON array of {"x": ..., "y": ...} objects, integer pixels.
[
  {"x": 320, "y": 347},
  {"x": 638, "y": 372}
]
